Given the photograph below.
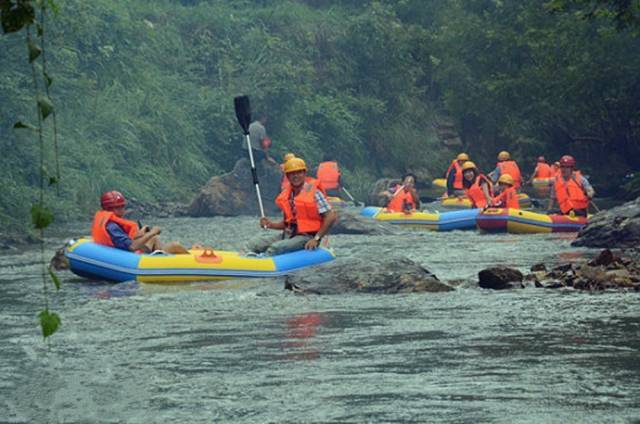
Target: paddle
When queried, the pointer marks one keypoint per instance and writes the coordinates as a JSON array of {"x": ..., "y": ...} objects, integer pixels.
[
  {"x": 243, "y": 113},
  {"x": 351, "y": 197}
]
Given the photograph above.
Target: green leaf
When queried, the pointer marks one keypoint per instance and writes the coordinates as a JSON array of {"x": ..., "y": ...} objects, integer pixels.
[
  {"x": 54, "y": 278},
  {"x": 18, "y": 125},
  {"x": 45, "y": 105},
  {"x": 53, "y": 180},
  {"x": 47, "y": 79},
  {"x": 34, "y": 51},
  {"x": 16, "y": 16},
  {"x": 41, "y": 217},
  {"x": 49, "y": 322}
]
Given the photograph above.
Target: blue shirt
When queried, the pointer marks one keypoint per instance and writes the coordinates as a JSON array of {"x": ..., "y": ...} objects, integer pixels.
[{"x": 119, "y": 238}]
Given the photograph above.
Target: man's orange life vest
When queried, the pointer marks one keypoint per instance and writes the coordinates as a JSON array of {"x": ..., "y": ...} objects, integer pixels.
[
  {"x": 400, "y": 199},
  {"x": 475, "y": 193},
  {"x": 507, "y": 199},
  {"x": 329, "y": 175},
  {"x": 510, "y": 167},
  {"x": 307, "y": 218},
  {"x": 570, "y": 194},
  {"x": 99, "y": 227},
  {"x": 543, "y": 170},
  {"x": 457, "y": 181}
]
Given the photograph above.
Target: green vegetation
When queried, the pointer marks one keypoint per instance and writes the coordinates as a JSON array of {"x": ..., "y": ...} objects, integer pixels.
[{"x": 143, "y": 90}]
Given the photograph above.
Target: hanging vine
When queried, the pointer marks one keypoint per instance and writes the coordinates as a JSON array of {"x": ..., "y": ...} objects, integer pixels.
[{"x": 16, "y": 15}]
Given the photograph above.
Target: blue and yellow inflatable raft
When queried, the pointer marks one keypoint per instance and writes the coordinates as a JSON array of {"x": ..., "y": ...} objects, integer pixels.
[
  {"x": 94, "y": 261},
  {"x": 496, "y": 220},
  {"x": 447, "y": 221},
  {"x": 455, "y": 203}
]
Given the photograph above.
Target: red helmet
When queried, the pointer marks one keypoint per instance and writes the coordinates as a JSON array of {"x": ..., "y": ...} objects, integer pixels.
[
  {"x": 112, "y": 200},
  {"x": 541, "y": 159},
  {"x": 567, "y": 161}
]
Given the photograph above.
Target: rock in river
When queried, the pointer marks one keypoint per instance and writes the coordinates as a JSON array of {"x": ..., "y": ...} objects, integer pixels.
[
  {"x": 614, "y": 228},
  {"x": 386, "y": 275},
  {"x": 499, "y": 278}
]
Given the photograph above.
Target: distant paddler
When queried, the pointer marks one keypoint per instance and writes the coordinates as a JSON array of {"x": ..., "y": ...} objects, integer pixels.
[
  {"x": 506, "y": 166},
  {"x": 455, "y": 186},
  {"x": 402, "y": 197},
  {"x": 477, "y": 186},
  {"x": 307, "y": 215},
  {"x": 571, "y": 189},
  {"x": 541, "y": 171},
  {"x": 507, "y": 196}
]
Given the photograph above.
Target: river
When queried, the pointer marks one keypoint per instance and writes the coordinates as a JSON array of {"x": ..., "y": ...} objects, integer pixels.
[{"x": 249, "y": 351}]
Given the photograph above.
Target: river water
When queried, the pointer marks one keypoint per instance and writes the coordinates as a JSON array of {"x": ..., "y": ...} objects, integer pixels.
[{"x": 249, "y": 351}]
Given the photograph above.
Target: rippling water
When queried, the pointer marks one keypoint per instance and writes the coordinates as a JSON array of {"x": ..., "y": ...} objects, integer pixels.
[{"x": 249, "y": 351}]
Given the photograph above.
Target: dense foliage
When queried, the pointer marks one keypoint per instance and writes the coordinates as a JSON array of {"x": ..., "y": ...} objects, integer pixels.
[{"x": 144, "y": 89}]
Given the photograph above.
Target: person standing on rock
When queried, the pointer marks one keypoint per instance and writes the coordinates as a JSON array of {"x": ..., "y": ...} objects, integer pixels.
[
  {"x": 110, "y": 228},
  {"x": 307, "y": 214},
  {"x": 260, "y": 142},
  {"x": 572, "y": 190}
]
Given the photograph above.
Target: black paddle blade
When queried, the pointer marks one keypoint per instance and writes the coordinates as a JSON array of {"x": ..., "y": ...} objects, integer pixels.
[{"x": 243, "y": 112}]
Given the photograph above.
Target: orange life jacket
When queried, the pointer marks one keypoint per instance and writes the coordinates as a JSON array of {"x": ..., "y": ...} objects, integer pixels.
[
  {"x": 457, "y": 181},
  {"x": 570, "y": 194},
  {"x": 99, "y": 227},
  {"x": 543, "y": 170},
  {"x": 329, "y": 175},
  {"x": 510, "y": 167},
  {"x": 507, "y": 199},
  {"x": 475, "y": 193},
  {"x": 400, "y": 199},
  {"x": 307, "y": 218}
]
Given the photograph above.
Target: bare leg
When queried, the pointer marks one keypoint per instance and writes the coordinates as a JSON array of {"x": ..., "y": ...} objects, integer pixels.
[{"x": 175, "y": 248}]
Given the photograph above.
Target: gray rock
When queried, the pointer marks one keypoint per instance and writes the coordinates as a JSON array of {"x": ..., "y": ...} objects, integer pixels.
[
  {"x": 618, "y": 227},
  {"x": 499, "y": 278},
  {"x": 386, "y": 275},
  {"x": 350, "y": 222},
  {"x": 234, "y": 193},
  {"x": 538, "y": 267},
  {"x": 379, "y": 186}
]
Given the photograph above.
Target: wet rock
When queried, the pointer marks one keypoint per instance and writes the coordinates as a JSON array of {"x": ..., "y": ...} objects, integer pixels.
[
  {"x": 617, "y": 227},
  {"x": 234, "y": 193},
  {"x": 386, "y": 275},
  {"x": 59, "y": 261},
  {"x": 374, "y": 198},
  {"x": 499, "y": 278},
  {"x": 605, "y": 258},
  {"x": 350, "y": 222},
  {"x": 563, "y": 268},
  {"x": 538, "y": 267}
]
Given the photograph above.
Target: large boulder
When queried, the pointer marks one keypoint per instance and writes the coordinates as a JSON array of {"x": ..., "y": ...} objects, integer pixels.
[
  {"x": 386, "y": 275},
  {"x": 350, "y": 222},
  {"x": 614, "y": 228},
  {"x": 499, "y": 278},
  {"x": 234, "y": 193}
]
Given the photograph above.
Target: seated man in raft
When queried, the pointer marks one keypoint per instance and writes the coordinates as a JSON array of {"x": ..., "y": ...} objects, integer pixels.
[
  {"x": 477, "y": 186},
  {"x": 507, "y": 196},
  {"x": 542, "y": 170},
  {"x": 454, "y": 176},
  {"x": 110, "y": 228},
  {"x": 571, "y": 189},
  {"x": 506, "y": 166},
  {"x": 404, "y": 197},
  {"x": 307, "y": 214}
]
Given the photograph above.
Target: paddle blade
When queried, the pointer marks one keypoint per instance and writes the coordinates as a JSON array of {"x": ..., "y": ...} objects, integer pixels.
[{"x": 243, "y": 112}]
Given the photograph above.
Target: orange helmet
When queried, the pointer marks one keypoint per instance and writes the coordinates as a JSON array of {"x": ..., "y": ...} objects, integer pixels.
[
  {"x": 462, "y": 156},
  {"x": 504, "y": 155},
  {"x": 468, "y": 165},
  {"x": 506, "y": 179}
]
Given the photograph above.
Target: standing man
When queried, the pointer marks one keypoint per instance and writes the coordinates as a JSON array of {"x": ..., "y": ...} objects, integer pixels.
[
  {"x": 307, "y": 215},
  {"x": 454, "y": 176},
  {"x": 260, "y": 142},
  {"x": 572, "y": 191}
]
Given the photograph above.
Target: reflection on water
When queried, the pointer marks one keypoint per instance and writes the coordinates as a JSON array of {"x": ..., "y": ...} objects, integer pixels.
[{"x": 250, "y": 351}]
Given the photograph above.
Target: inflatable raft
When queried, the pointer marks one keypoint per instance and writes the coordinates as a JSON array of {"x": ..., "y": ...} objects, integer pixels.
[
  {"x": 447, "y": 221},
  {"x": 542, "y": 183},
  {"x": 523, "y": 222},
  {"x": 337, "y": 202},
  {"x": 464, "y": 203},
  {"x": 94, "y": 261},
  {"x": 439, "y": 182}
]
